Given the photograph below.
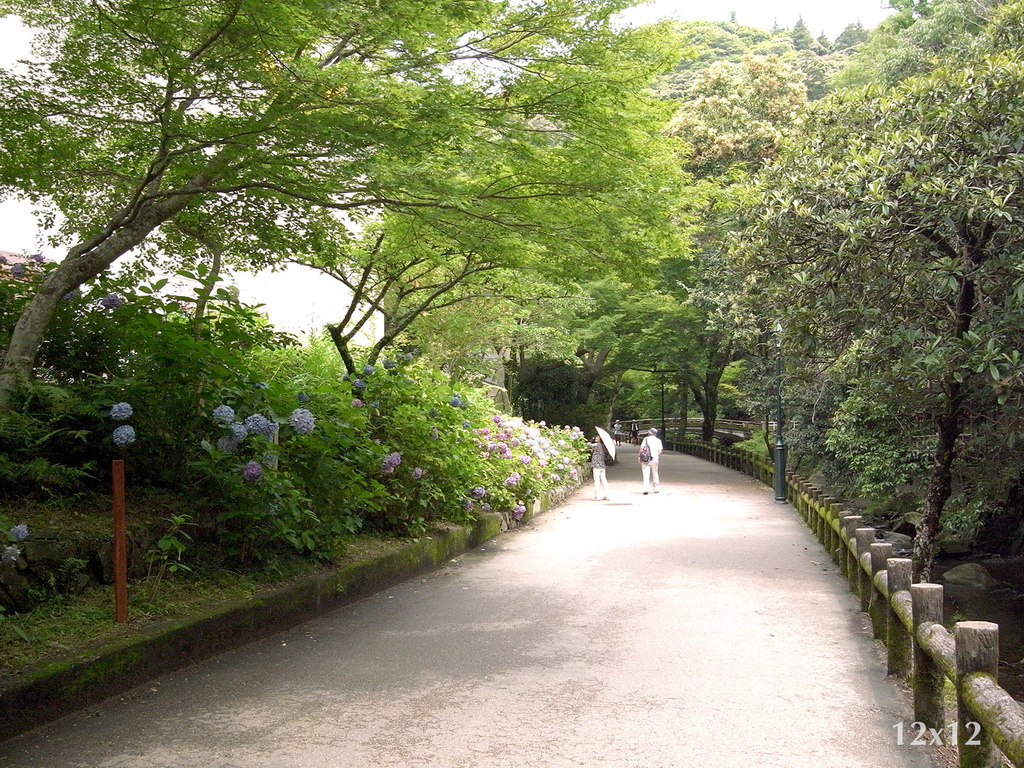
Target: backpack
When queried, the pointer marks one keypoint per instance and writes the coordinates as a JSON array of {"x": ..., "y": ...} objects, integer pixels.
[{"x": 645, "y": 453}]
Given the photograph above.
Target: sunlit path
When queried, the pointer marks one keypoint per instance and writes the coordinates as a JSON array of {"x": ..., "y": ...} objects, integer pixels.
[{"x": 695, "y": 628}]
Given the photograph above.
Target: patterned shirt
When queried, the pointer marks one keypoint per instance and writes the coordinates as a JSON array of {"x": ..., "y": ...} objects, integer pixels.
[{"x": 597, "y": 455}]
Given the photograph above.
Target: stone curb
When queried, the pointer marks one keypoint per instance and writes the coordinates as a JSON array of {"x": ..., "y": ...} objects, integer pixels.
[{"x": 65, "y": 686}]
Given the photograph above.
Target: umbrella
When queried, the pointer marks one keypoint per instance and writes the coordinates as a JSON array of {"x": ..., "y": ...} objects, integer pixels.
[{"x": 608, "y": 442}]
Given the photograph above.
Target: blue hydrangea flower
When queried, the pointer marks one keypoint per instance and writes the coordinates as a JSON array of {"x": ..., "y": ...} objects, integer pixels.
[
  {"x": 375, "y": 404},
  {"x": 389, "y": 364},
  {"x": 124, "y": 436},
  {"x": 112, "y": 301},
  {"x": 238, "y": 432},
  {"x": 466, "y": 425},
  {"x": 390, "y": 462},
  {"x": 19, "y": 532},
  {"x": 120, "y": 411},
  {"x": 302, "y": 421},
  {"x": 10, "y": 554},
  {"x": 359, "y": 384},
  {"x": 225, "y": 414},
  {"x": 260, "y": 425},
  {"x": 228, "y": 444},
  {"x": 455, "y": 402},
  {"x": 369, "y": 370},
  {"x": 302, "y": 397},
  {"x": 252, "y": 471}
]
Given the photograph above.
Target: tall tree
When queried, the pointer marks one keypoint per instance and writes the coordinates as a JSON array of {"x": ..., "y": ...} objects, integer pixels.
[
  {"x": 282, "y": 110},
  {"x": 910, "y": 196}
]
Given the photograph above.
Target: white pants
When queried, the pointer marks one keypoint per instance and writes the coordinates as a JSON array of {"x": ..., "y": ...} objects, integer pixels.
[
  {"x": 650, "y": 472},
  {"x": 600, "y": 481}
]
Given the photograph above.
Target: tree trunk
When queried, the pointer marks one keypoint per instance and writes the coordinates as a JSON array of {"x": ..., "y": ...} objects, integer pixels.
[
  {"x": 83, "y": 263},
  {"x": 950, "y": 425}
]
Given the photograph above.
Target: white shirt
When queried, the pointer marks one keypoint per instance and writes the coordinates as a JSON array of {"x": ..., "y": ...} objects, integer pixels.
[{"x": 655, "y": 445}]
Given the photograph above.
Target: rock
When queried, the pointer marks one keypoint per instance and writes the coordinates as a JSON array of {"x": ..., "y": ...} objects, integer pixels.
[
  {"x": 901, "y": 543},
  {"x": 969, "y": 575}
]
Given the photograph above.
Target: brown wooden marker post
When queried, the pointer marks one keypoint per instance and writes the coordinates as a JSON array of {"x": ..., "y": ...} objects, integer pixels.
[{"x": 120, "y": 545}]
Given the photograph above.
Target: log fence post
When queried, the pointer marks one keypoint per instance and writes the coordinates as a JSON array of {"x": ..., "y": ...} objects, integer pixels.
[
  {"x": 927, "y": 680},
  {"x": 899, "y": 572},
  {"x": 864, "y": 538},
  {"x": 977, "y": 651},
  {"x": 850, "y": 524},
  {"x": 878, "y": 604}
]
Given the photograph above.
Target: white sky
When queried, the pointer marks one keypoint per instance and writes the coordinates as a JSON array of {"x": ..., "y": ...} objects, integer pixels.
[
  {"x": 298, "y": 305},
  {"x": 819, "y": 15}
]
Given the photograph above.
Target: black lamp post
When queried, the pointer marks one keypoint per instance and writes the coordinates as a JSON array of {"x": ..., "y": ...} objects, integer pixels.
[{"x": 780, "y": 443}]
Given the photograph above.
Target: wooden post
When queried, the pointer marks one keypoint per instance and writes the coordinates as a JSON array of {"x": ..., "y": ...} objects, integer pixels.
[
  {"x": 928, "y": 679},
  {"x": 878, "y": 605},
  {"x": 977, "y": 650},
  {"x": 899, "y": 571},
  {"x": 120, "y": 545},
  {"x": 850, "y": 524},
  {"x": 864, "y": 538}
]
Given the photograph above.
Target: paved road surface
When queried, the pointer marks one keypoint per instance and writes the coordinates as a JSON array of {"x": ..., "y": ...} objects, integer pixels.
[{"x": 694, "y": 628}]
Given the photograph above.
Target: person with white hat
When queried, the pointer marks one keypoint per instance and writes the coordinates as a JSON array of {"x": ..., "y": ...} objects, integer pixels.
[{"x": 650, "y": 453}]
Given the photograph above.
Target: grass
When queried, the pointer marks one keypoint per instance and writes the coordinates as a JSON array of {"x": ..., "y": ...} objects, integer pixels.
[{"x": 72, "y": 623}]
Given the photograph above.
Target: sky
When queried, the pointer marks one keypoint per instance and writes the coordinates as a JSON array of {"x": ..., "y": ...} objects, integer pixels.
[{"x": 18, "y": 232}]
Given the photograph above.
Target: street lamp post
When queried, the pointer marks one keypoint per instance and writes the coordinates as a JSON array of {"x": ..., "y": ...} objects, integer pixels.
[{"x": 780, "y": 443}]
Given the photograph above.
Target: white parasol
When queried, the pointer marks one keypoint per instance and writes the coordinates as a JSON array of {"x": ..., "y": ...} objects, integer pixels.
[{"x": 608, "y": 442}]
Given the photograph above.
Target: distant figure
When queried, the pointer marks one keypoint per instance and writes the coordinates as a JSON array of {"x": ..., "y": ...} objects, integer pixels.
[
  {"x": 650, "y": 453},
  {"x": 617, "y": 431},
  {"x": 634, "y": 433},
  {"x": 597, "y": 461}
]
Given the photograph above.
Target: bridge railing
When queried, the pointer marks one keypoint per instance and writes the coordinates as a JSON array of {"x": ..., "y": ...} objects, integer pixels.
[{"x": 908, "y": 619}]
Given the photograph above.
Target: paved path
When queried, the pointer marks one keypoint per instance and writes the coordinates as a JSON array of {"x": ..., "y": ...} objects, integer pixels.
[{"x": 694, "y": 628}]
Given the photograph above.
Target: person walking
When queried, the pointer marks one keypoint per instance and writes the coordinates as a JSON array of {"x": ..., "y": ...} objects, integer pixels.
[
  {"x": 648, "y": 456},
  {"x": 617, "y": 431},
  {"x": 634, "y": 433},
  {"x": 597, "y": 461}
]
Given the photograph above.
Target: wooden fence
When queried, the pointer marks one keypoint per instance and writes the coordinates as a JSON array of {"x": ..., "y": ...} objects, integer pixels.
[{"x": 908, "y": 619}]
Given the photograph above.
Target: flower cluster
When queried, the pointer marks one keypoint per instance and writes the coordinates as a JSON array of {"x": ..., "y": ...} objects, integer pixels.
[
  {"x": 258, "y": 424},
  {"x": 252, "y": 471},
  {"x": 112, "y": 301},
  {"x": 17, "y": 534},
  {"x": 478, "y": 492},
  {"x": 124, "y": 435},
  {"x": 390, "y": 462},
  {"x": 301, "y": 421}
]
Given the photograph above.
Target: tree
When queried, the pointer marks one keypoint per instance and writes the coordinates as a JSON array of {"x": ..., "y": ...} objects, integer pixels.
[
  {"x": 265, "y": 115},
  {"x": 909, "y": 195}
]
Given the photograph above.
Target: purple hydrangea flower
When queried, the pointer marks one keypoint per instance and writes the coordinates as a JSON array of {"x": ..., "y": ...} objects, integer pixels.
[
  {"x": 519, "y": 511},
  {"x": 301, "y": 421},
  {"x": 478, "y": 493},
  {"x": 466, "y": 425},
  {"x": 417, "y": 473},
  {"x": 71, "y": 295},
  {"x": 112, "y": 301},
  {"x": 359, "y": 384},
  {"x": 524, "y": 460},
  {"x": 252, "y": 471},
  {"x": 38, "y": 258},
  {"x": 357, "y": 403},
  {"x": 18, "y": 270},
  {"x": 485, "y": 507},
  {"x": 225, "y": 414},
  {"x": 497, "y": 419},
  {"x": 238, "y": 432},
  {"x": 19, "y": 532},
  {"x": 390, "y": 462},
  {"x": 124, "y": 436},
  {"x": 120, "y": 411},
  {"x": 467, "y": 504},
  {"x": 369, "y": 370},
  {"x": 389, "y": 364},
  {"x": 513, "y": 479},
  {"x": 260, "y": 425},
  {"x": 455, "y": 402},
  {"x": 10, "y": 554},
  {"x": 4, "y": 259}
]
